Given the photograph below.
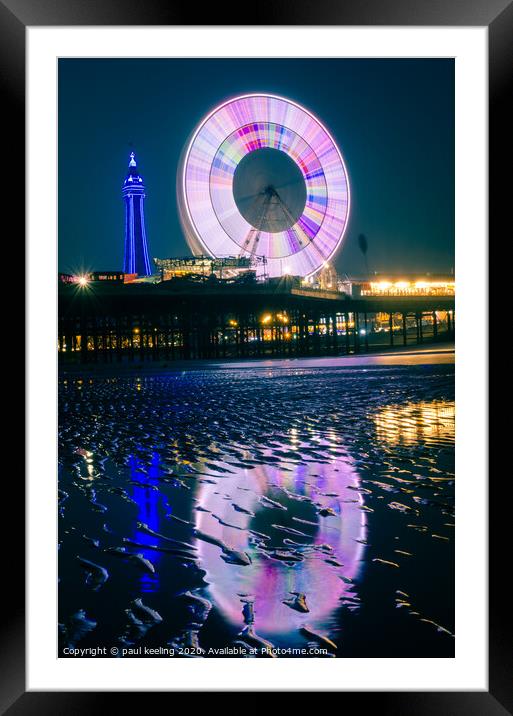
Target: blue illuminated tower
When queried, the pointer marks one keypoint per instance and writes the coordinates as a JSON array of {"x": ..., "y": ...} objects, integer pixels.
[{"x": 137, "y": 259}]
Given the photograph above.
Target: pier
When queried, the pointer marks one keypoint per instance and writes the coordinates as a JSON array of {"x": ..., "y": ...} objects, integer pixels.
[{"x": 187, "y": 320}]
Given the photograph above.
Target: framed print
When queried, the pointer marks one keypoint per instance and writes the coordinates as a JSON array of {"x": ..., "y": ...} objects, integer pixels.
[{"x": 256, "y": 376}]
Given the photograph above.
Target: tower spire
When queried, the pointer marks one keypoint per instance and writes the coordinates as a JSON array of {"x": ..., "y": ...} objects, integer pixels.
[{"x": 137, "y": 259}]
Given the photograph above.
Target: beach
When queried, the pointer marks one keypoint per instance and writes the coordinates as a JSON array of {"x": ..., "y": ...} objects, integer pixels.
[{"x": 258, "y": 509}]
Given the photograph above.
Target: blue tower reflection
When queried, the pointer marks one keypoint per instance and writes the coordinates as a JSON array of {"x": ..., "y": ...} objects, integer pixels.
[{"x": 150, "y": 502}]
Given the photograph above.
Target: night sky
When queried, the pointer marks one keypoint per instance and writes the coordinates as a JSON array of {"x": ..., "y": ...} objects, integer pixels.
[{"x": 392, "y": 119}]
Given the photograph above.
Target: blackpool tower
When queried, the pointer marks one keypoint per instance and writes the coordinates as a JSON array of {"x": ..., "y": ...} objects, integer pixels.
[{"x": 136, "y": 246}]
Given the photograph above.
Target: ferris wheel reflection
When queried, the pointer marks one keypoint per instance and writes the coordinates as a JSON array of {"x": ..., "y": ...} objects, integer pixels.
[{"x": 303, "y": 527}]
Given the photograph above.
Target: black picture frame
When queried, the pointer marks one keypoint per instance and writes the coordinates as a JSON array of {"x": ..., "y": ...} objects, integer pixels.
[{"x": 497, "y": 15}]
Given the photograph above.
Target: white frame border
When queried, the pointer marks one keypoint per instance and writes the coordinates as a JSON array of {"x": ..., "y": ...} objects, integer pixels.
[{"x": 468, "y": 670}]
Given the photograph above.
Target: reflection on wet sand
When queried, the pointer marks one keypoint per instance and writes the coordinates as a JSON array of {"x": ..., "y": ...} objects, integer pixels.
[
  {"x": 250, "y": 507},
  {"x": 414, "y": 423},
  {"x": 300, "y": 529},
  {"x": 146, "y": 495}
]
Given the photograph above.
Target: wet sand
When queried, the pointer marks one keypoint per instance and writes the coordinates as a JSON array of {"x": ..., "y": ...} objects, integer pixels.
[
  {"x": 434, "y": 354},
  {"x": 260, "y": 509}
]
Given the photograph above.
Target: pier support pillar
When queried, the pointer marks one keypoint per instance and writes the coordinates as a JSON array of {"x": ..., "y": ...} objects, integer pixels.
[
  {"x": 172, "y": 337},
  {"x": 405, "y": 337},
  {"x": 334, "y": 337},
  {"x": 356, "y": 317}
]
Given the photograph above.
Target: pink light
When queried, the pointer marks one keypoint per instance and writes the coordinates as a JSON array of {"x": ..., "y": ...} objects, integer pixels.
[
  {"x": 270, "y": 582},
  {"x": 209, "y": 214}
]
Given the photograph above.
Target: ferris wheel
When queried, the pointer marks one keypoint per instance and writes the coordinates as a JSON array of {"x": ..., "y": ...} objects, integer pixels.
[{"x": 262, "y": 178}]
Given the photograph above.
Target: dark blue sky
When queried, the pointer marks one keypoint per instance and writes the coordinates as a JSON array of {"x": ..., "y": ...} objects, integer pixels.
[{"x": 392, "y": 119}]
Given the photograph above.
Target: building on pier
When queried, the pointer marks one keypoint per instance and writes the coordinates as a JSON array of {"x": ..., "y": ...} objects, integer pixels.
[
  {"x": 228, "y": 267},
  {"x": 403, "y": 285}
]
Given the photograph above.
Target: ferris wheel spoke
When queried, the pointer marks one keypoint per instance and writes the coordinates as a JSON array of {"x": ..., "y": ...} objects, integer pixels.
[{"x": 253, "y": 238}]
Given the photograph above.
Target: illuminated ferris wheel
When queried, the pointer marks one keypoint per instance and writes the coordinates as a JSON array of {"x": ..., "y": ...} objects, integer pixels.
[{"x": 262, "y": 178}]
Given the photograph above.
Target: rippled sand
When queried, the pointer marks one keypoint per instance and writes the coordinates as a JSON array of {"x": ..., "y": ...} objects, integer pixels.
[{"x": 259, "y": 511}]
